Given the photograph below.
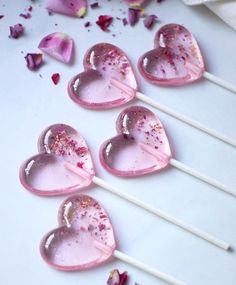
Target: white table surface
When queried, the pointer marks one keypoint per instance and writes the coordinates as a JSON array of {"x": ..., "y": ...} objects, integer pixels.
[{"x": 30, "y": 103}]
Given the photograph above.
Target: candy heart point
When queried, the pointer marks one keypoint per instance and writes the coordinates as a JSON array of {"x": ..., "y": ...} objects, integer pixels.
[
  {"x": 140, "y": 147},
  {"x": 46, "y": 174},
  {"x": 93, "y": 88},
  {"x": 84, "y": 238},
  {"x": 175, "y": 60}
]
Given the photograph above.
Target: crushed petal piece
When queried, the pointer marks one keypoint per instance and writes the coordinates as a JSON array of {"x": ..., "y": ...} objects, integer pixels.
[
  {"x": 34, "y": 60},
  {"x": 55, "y": 78},
  {"x": 117, "y": 278},
  {"x": 16, "y": 31},
  {"x": 149, "y": 21},
  {"x": 104, "y": 21}
]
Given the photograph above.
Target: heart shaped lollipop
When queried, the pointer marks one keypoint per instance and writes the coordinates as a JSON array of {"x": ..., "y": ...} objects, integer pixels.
[
  {"x": 175, "y": 60},
  {"x": 140, "y": 147},
  {"x": 83, "y": 223},
  {"x": 85, "y": 239},
  {"x": 93, "y": 89},
  {"x": 45, "y": 174}
]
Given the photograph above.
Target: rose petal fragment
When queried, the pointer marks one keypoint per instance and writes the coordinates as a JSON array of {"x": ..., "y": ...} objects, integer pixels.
[
  {"x": 104, "y": 22},
  {"x": 16, "y": 31},
  {"x": 58, "y": 46},
  {"x": 149, "y": 21},
  {"x": 55, "y": 78},
  {"x": 76, "y": 8},
  {"x": 117, "y": 278},
  {"x": 34, "y": 60}
]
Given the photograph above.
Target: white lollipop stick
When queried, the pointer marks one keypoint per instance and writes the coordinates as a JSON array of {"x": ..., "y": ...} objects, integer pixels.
[
  {"x": 173, "y": 113},
  {"x": 142, "y": 266},
  {"x": 197, "y": 232},
  {"x": 146, "y": 268},
  {"x": 219, "y": 81},
  {"x": 181, "y": 166},
  {"x": 213, "y": 182}
]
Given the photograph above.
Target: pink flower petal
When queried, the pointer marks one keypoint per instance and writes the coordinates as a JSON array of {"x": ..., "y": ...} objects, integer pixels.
[
  {"x": 149, "y": 21},
  {"x": 34, "y": 60},
  {"x": 135, "y": 3},
  {"x": 67, "y": 7},
  {"x": 58, "y": 46}
]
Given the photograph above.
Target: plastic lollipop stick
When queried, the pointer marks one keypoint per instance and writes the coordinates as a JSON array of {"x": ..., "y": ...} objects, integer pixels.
[
  {"x": 85, "y": 239},
  {"x": 219, "y": 81},
  {"x": 142, "y": 147},
  {"x": 114, "y": 82},
  {"x": 108, "y": 81},
  {"x": 176, "y": 60},
  {"x": 64, "y": 165}
]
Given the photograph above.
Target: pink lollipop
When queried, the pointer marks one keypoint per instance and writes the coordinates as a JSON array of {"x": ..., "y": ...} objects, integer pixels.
[
  {"x": 64, "y": 165},
  {"x": 85, "y": 239},
  {"x": 176, "y": 60},
  {"x": 141, "y": 147},
  {"x": 108, "y": 81}
]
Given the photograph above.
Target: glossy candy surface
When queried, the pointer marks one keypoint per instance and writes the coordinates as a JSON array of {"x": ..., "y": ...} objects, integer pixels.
[
  {"x": 94, "y": 89},
  {"x": 140, "y": 147},
  {"x": 175, "y": 60},
  {"x": 45, "y": 173},
  {"x": 84, "y": 238}
]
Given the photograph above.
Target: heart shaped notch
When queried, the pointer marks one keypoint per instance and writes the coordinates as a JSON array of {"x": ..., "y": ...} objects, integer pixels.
[
  {"x": 84, "y": 238},
  {"x": 175, "y": 60},
  {"x": 45, "y": 173},
  {"x": 98, "y": 87},
  {"x": 141, "y": 146}
]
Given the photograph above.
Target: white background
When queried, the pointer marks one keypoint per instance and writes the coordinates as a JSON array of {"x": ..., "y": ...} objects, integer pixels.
[{"x": 30, "y": 103}]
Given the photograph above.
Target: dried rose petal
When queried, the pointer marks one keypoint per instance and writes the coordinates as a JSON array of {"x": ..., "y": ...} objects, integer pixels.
[
  {"x": 133, "y": 16},
  {"x": 117, "y": 278},
  {"x": 125, "y": 21},
  {"x": 149, "y": 21},
  {"x": 55, "y": 78},
  {"x": 58, "y": 46},
  {"x": 94, "y": 5},
  {"x": 34, "y": 60},
  {"x": 67, "y": 7},
  {"x": 16, "y": 31},
  {"x": 1, "y": 16},
  {"x": 25, "y": 16},
  {"x": 104, "y": 22}
]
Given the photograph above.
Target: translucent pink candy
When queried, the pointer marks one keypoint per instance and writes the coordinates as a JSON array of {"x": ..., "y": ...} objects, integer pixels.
[
  {"x": 58, "y": 46},
  {"x": 175, "y": 60},
  {"x": 140, "y": 147},
  {"x": 45, "y": 173},
  {"x": 93, "y": 88},
  {"x": 67, "y": 7},
  {"x": 84, "y": 238}
]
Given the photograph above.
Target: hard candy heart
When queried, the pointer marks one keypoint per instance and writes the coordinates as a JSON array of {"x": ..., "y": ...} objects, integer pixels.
[
  {"x": 45, "y": 173},
  {"x": 84, "y": 238},
  {"x": 94, "y": 88},
  {"x": 140, "y": 147},
  {"x": 175, "y": 60}
]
